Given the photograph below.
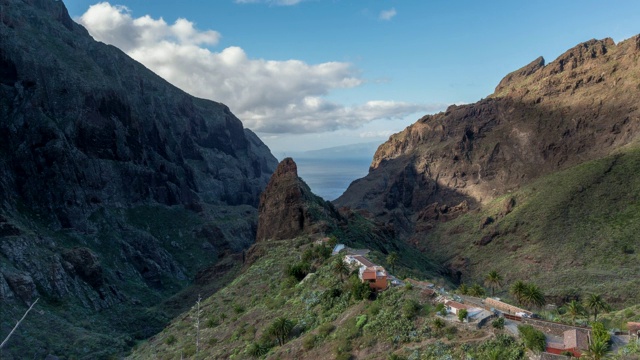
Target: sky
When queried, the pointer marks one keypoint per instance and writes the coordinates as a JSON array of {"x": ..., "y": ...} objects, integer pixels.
[{"x": 312, "y": 74}]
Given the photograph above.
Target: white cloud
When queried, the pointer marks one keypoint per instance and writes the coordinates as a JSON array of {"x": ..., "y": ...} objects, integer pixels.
[
  {"x": 387, "y": 14},
  {"x": 268, "y": 96},
  {"x": 271, "y": 2}
]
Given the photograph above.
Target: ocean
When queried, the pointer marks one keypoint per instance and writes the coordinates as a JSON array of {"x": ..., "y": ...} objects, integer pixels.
[{"x": 329, "y": 178}]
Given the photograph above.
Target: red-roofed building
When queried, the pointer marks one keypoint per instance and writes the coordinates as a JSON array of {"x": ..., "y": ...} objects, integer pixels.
[
  {"x": 454, "y": 307},
  {"x": 369, "y": 272}
]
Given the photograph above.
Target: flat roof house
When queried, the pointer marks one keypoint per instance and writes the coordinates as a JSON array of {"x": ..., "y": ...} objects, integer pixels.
[{"x": 369, "y": 272}]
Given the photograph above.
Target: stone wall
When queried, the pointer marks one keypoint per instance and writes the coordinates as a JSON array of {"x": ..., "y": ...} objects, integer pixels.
[{"x": 504, "y": 307}]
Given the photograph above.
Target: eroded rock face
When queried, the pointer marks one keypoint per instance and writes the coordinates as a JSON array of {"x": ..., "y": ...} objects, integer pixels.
[
  {"x": 289, "y": 209},
  {"x": 541, "y": 118}
]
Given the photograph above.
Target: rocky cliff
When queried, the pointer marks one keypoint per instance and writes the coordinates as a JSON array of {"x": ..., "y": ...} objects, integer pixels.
[
  {"x": 116, "y": 187},
  {"x": 469, "y": 184},
  {"x": 541, "y": 118},
  {"x": 289, "y": 209}
]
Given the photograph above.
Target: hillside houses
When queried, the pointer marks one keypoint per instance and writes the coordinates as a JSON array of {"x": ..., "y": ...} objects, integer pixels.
[{"x": 369, "y": 272}]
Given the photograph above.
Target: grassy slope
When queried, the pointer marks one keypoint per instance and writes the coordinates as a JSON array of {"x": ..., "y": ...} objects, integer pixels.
[
  {"x": 572, "y": 232},
  {"x": 236, "y": 317}
]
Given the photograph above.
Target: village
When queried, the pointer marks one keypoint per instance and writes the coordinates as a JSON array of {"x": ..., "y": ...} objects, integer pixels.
[{"x": 562, "y": 341}]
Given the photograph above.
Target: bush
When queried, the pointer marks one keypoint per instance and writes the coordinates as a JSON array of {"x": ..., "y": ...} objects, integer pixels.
[
  {"x": 238, "y": 309},
  {"x": 498, "y": 323},
  {"x": 361, "y": 321},
  {"x": 257, "y": 349},
  {"x": 533, "y": 339},
  {"x": 410, "y": 309},
  {"x": 360, "y": 290},
  {"x": 325, "y": 329},
  {"x": 309, "y": 342},
  {"x": 212, "y": 322},
  {"x": 299, "y": 270},
  {"x": 170, "y": 340}
]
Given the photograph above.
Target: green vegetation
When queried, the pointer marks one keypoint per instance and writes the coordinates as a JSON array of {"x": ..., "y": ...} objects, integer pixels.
[
  {"x": 573, "y": 232},
  {"x": 267, "y": 313},
  {"x": 493, "y": 280},
  {"x": 595, "y": 303},
  {"x": 533, "y": 339}
]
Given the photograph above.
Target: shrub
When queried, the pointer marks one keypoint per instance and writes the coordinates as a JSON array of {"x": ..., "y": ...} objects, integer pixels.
[
  {"x": 410, "y": 309},
  {"x": 309, "y": 342},
  {"x": 361, "y": 321},
  {"x": 170, "y": 340},
  {"x": 212, "y": 322},
  {"x": 238, "y": 309},
  {"x": 462, "y": 314},
  {"x": 257, "y": 349},
  {"x": 498, "y": 323},
  {"x": 360, "y": 290},
  {"x": 299, "y": 270},
  {"x": 326, "y": 329},
  {"x": 533, "y": 339}
]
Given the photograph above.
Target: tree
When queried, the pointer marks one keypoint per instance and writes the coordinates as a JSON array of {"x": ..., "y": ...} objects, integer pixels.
[
  {"x": 340, "y": 268},
  {"x": 281, "y": 329},
  {"x": 533, "y": 339},
  {"x": 597, "y": 350},
  {"x": 493, "y": 280},
  {"x": 533, "y": 296},
  {"x": 463, "y": 289},
  {"x": 595, "y": 303},
  {"x": 574, "y": 309},
  {"x": 462, "y": 314},
  {"x": 392, "y": 259},
  {"x": 517, "y": 290},
  {"x": 476, "y": 290}
]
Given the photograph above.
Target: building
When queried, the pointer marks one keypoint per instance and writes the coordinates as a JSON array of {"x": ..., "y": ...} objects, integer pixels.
[
  {"x": 369, "y": 272},
  {"x": 506, "y": 308},
  {"x": 454, "y": 307},
  {"x": 575, "y": 341}
]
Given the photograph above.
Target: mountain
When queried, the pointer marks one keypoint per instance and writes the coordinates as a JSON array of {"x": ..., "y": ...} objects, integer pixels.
[
  {"x": 536, "y": 181},
  {"x": 289, "y": 209},
  {"x": 118, "y": 190}
]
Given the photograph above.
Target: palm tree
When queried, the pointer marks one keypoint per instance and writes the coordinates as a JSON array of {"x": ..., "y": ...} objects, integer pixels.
[
  {"x": 281, "y": 329},
  {"x": 392, "y": 259},
  {"x": 596, "y": 303},
  {"x": 517, "y": 290},
  {"x": 476, "y": 290},
  {"x": 574, "y": 309},
  {"x": 493, "y": 280},
  {"x": 341, "y": 269},
  {"x": 597, "y": 350},
  {"x": 533, "y": 296}
]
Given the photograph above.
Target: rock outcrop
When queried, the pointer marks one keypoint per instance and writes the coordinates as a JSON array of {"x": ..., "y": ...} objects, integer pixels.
[
  {"x": 289, "y": 209},
  {"x": 111, "y": 178}
]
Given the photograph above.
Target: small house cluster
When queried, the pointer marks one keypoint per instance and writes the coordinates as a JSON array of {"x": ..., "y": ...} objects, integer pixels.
[{"x": 369, "y": 272}]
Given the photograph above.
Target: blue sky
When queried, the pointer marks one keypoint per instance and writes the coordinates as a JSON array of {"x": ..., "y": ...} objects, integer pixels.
[{"x": 363, "y": 68}]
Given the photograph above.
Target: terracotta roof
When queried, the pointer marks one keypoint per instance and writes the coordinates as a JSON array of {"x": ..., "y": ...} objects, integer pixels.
[
  {"x": 633, "y": 326},
  {"x": 576, "y": 339}
]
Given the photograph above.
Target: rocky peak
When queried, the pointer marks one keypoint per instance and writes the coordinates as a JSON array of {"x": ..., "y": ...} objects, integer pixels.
[
  {"x": 512, "y": 77},
  {"x": 289, "y": 209}
]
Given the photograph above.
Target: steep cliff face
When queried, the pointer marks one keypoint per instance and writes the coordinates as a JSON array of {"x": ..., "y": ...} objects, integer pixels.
[
  {"x": 289, "y": 209},
  {"x": 116, "y": 187},
  {"x": 527, "y": 181},
  {"x": 541, "y": 119}
]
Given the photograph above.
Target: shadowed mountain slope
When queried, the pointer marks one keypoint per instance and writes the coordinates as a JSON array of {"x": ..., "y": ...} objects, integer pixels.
[{"x": 116, "y": 187}]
